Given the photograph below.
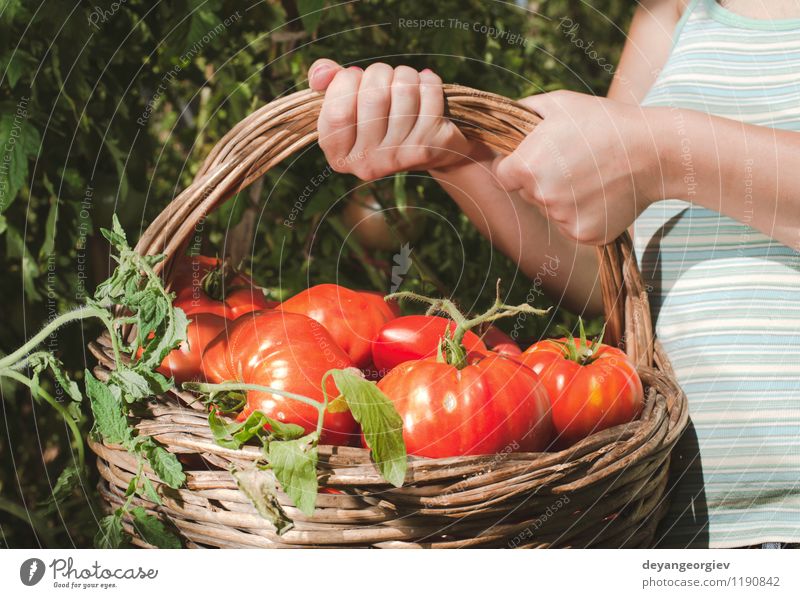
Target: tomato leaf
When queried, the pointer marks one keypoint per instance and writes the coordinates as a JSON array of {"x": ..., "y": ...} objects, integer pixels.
[
  {"x": 111, "y": 534},
  {"x": 149, "y": 490},
  {"x": 170, "y": 332},
  {"x": 295, "y": 465},
  {"x": 152, "y": 530},
  {"x": 110, "y": 421},
  {"x": 67, "y": 481},
  {"x": 42, "y": 360},
  {"x": 259, "y": 486},
  {"x": 338, "y": 405},
  {"x": 138, "y": 382},
  {"x": 233, "y": 435},
  {"x": 284, "y": 431},
  {"x": 380, "y": 423},
  {"x": 165, "y": 464},
  {"x": 223, "y": 431}
]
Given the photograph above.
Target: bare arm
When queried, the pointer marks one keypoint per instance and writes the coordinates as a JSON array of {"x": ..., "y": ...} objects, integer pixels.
[{"x": 746, "y": 172}]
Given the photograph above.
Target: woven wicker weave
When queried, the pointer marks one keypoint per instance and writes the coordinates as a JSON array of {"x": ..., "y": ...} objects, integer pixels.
[{"x": 608, "y": 490}]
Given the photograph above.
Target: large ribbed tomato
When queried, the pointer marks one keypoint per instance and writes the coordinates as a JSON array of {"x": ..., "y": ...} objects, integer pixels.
[
  {"x": 414, "y": 337},
  {"x": 592, "y": 386},
  {"x": 288, "y": 352},
  {"x": 204, "y": 284},
  {"x": 491, "y": 405},
  {"x": 352, "y": 317}
]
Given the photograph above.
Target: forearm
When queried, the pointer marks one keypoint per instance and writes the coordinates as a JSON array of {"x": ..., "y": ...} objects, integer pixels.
[
  {"x": 565, "y": 270},
  {"x": 746, "y": 172}
]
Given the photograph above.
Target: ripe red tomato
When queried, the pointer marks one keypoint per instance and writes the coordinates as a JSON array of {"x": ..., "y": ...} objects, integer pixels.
[
  {"x": 499, "y": 342},
  {"x": 414, "y": 337},
  {"x": 288, "y": 352},
  {"x": 203, "y": 285},
  {"x": 492, "y": 405},
  {"x": 352, "y": 317},
  {"x": 591, "y": 387}
]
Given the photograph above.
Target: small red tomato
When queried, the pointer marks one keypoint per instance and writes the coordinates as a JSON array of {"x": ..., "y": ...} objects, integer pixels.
[
  {"x": 352, "y": 317},
  {"x": 493, "y": 405},
  {"x": 415, "y": 337},
  {"x": 592, "y": 386}
]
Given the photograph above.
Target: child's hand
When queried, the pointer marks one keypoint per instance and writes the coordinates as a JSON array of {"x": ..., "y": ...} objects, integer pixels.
[
  {"x": 591, "y": 166},
  {"x": 384, "y": 120}
]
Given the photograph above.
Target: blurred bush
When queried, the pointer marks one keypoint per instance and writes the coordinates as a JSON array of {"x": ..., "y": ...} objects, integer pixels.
[{"x": 110, "y": 107}]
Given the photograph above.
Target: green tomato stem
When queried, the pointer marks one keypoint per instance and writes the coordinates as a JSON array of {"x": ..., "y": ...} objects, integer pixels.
[
  {"x": 83, "y": 313},
  {"x": 209, "y": 388},
  {"x": 456, "y": 352},
  {"x": 76, "y": 433}
]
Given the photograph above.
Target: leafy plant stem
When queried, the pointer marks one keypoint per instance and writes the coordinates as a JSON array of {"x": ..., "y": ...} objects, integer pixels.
[
  {"x": 15, "y": 360},
  {"x": 234, "y": 386},
  {"x": 76, "y": 433}
]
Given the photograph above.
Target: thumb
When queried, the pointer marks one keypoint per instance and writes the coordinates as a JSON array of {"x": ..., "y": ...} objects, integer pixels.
[
  {"x": 542, "y": 104},
  {"x": 509, "y": 172},
  {"x": 322, "y": 73}
]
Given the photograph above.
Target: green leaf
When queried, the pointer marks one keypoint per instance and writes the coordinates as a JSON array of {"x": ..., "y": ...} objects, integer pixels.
[
  {"x": 295, "y": 465},
  {"x": 223, "y": 432},
  {"x": 13, "y": 70},
  {"x": 116, "y": 236},
  {"x": 17, "y": 249},
  {"x": 111, "y": 534},
  {"x": 165, "y": 464},
  {"x": 149, "y": 490},
  {"x": 40, "y": 361},
  {"x": 49, "y": 231},
  {"x": 380, "y": 423},
  {"x": 310, "y": 13},
  {"x": 338, "y": 405},
  {"x": 67, "y": 481},
  {"x": 284, "y": 431},
  {"x": 19, "y": 141},
  {"x": 170, "y": 332},
  {"x": 109, "y": 419},
  {"x": 152, "y": 530},
  {"x": 69, "y": 385},
  {"x": 234, "y": 434},
  {"x": 259, "y": 486},
  {"x": 139, "y": 382}
]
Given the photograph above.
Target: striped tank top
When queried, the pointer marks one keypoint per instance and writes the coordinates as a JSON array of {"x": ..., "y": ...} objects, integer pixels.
[{"x": 726, "y": 298}]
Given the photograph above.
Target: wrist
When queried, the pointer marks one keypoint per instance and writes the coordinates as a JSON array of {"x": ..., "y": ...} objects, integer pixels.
[
  {"x": 673, "y": 173},
  {"x": 465, "y": 154}
]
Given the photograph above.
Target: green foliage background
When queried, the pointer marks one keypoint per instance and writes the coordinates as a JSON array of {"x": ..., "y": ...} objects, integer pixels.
[{"x": 111, "y": 106}]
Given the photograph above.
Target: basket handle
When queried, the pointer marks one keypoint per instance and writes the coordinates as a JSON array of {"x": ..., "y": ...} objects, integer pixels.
[{"x": 288, "y": 124}]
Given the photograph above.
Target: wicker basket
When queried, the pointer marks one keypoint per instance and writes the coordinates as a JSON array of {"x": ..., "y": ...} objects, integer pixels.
[{"x": 608, "y": 490}]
